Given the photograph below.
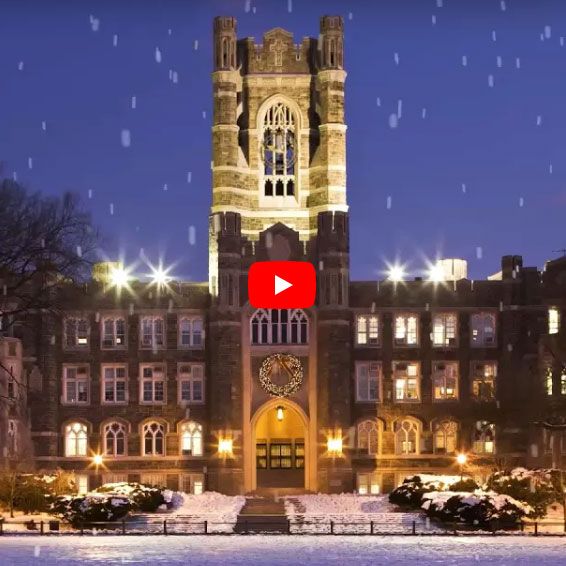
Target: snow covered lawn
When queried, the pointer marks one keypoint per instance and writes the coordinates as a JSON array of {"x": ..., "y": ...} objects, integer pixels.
[
  {"x": 351, "y": 513},
  {"x": 282, "y": 549}
]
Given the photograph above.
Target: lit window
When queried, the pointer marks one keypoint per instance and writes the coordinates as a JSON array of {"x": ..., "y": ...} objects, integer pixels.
[
  {"x": 279, "y": 152},
  {"x": 445, "y": 437},
  {"x": 483, "y": 375},
  {"x": 153, "y": 434},
  {"x": 152, "y": 332},
  {"x": 192, "y": 483},
  {"x": 368, "y": 484},
  {"x": 81, "y": 483},
  {"x": 407, "y": 437},
  {"x": 191, "y": 383},
  {"x": 367, "y": 381},
  {"x": 445, "y": 381},
  {"x": 483, "y": 440},
  {"x": 114, "y": 439},
  {"x": 114, "y": 384},
  {"x": 548, "y": 379},
  {"x": 76, "y": 439},
  {"x": 406, "y": 330},
  {"x": 152, "y": 388},
  {"x": 190, "y": 332},
  {"x": 273, "y": 326},
  {"x": 191, "y": 439},
  {"x": 483, "y": 329},
  {"x": 553, "y": 320},
  {"x": 113, "y": 332},
  {"x": 406, "y": 378},
  {"x": 563, "y": 382},
  {"x": 76, "y": 332},
  {"x": 368, "y": 437},
  {"x": 75, "y": 384},
  {"x": 444, "y": 330},
  {"x": 367, "y": 330}
]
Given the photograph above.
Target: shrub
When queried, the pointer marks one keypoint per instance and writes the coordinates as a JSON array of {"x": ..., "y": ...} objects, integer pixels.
[
  {"x": 83, "y": 510},
  {"x": 142, "y": 497},
  {"x": 464, "y": 485},
  {"x": 410, "y": 492},
  {"x": 478, "y": 509},
  {"x": 537, "y": 488}
]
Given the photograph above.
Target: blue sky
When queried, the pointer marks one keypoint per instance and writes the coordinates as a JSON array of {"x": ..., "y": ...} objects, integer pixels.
[{"x": 503, "y": 144}]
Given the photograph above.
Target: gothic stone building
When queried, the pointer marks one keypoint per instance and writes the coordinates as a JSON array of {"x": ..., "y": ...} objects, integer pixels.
[{"x": 174, "y": 385}]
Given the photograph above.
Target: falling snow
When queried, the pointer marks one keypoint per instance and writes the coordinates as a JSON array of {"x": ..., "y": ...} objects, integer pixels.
[
  {"x": 189, "y": 177},
  {"x": 539, "y": 120},
  {"x": 464, "y": 61},
  {"x": 547, "y": 32},
  {"x": 499, "y": 61},
  {"x": 115, "y": 40},
  {"x": 195, "y": 44},
  {"x": 393, "y": 121},
  {"x": 111, "y": 208},
  {"x": 518, "y": 63},
  {"x": 21, "y": 66},
  {"x": 30, "y": 163},
  {"x": 490, "y": 81},
  {"x": 134, "y": 102},
  {"x": 521, "y": 202},
  {"x": 157, "y": 55},
  {"x": 433, "y": 20},
  {"x": 378, "y": 101},
  {"x": 94, "y": 23},
  {"x": 125, "y": 138},
  {"x": 192, "y": 235},
  {"x": 289, "y": 6},
  {"x": 389, "y": 202},
  {"x": 44, "y": 125},
  {"x": 464, "y": 188},
  {"x": 396, "y": 58},
  {"x": 479, "y": 252},
  {"x": 493, "y": 36},
  {"x": 423, "y": 113},
  {"x": 503, "y": 5}
]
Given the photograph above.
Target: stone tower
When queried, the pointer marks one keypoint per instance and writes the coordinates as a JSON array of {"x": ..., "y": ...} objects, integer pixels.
[{"x": 279, "y": 192}]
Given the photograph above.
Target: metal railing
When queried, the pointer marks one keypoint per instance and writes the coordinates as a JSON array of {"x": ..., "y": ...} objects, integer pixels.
[{"x": 250, "y": 526}]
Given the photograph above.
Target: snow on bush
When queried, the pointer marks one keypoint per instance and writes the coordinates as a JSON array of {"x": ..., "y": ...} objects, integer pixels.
[
  {"x": 479, "y": 509},
  {"x": 142, "y": 497},
  {"x": 410, "y": 492},
  {"x": 83, "y": 510},
  {"x": 537, "y": 488}
]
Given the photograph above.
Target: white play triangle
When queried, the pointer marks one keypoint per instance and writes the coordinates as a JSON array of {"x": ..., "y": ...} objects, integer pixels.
[{"x": 281, "y": 285}]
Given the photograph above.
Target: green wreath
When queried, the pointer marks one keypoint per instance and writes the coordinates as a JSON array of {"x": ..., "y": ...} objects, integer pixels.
[{"x": 293, "y": 367}]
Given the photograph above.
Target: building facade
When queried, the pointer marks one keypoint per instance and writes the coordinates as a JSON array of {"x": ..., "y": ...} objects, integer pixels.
[{"x": 186, "y": 385}]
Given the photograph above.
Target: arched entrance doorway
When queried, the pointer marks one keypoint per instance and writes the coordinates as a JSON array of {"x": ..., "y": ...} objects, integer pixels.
[{"x": 280, "y": 445}]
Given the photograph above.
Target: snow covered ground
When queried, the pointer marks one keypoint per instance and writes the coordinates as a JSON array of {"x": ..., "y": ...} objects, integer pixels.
[
  {"x": 266, "y": 549},
  {"x": 350, "y": 513}
]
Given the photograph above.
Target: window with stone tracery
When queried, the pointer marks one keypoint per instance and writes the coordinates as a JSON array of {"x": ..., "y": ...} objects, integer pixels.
[
  {"x": 279, "y": 152},
  {"x": 279, "y": 326}
]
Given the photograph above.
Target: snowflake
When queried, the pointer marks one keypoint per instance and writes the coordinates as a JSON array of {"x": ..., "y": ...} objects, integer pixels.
[
  {"x": 126, "y": 138},
  {"x": 157, "y": 55}
]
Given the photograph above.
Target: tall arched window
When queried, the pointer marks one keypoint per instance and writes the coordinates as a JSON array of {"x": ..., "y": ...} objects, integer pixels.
[
  {"x": 191, "y": 439},
  {"x": 368, "y": 437},
  {"x": 279, "y": 326},
  {"x": 153, "y": 439},
  {"x": 279, "y": 151},
  {"x": 445, "y": 437},
  {"x": 407, "y": 437},
  {"x": 114, "y": 439},
  {"x": 76, "y": 439}
]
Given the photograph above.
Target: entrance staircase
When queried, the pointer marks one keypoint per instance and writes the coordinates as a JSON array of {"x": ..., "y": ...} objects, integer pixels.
[{"x": 262, "y": 515}]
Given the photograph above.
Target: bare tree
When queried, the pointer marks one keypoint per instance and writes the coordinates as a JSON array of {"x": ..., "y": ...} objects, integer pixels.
[{"x": 44, "y": 241}]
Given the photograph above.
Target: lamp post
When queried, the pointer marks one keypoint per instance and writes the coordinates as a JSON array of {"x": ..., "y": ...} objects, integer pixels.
[{"x": 461, "y": 459}]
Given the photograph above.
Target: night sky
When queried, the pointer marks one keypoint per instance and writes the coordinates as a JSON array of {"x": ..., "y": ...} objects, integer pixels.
[{"x": 482, "y": 174}]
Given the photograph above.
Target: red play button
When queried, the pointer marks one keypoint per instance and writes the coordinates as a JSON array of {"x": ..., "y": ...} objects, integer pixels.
[{"x": 282, "y": 285}]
